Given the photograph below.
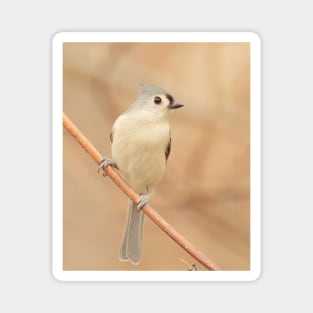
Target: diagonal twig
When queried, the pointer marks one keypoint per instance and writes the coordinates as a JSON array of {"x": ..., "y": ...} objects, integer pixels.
[{"x": 147, "y": 209}]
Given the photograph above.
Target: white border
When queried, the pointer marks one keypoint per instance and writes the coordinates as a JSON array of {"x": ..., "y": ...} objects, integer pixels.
[{"x": 255, "y": 154}]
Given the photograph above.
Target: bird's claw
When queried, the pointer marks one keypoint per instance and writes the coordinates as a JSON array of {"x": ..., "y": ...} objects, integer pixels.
[
  {"x": 104, "y": 163},
  {"x": 143, "y": 200}
]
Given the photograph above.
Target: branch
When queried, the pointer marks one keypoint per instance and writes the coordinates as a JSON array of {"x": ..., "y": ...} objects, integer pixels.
[{"x": 148, "y": 210}]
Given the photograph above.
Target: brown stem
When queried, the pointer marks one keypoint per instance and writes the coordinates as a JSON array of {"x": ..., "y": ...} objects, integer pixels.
[{"x": 148, "y": 210}]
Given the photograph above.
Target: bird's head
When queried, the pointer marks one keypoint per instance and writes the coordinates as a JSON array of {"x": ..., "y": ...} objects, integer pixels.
[{"x": 155, "y": 100}]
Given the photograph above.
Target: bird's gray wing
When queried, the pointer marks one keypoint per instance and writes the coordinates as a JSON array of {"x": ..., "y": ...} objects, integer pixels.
[
  {"x": 111, "y": 136},
  {"x": 168, "y": 148}
]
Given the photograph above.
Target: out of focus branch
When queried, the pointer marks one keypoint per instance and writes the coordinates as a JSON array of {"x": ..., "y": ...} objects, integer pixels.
[{"x": 148, "y": 210}]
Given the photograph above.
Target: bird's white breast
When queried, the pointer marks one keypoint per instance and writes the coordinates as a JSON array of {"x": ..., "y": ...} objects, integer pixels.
[{"x": 138, "y": 148}]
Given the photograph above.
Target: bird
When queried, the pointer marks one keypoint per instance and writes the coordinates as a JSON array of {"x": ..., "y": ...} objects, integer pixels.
[{"x": 141, "y": 145}]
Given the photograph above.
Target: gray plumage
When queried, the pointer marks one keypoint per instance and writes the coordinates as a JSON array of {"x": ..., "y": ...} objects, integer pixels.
[{"x": 140, "y": 146}]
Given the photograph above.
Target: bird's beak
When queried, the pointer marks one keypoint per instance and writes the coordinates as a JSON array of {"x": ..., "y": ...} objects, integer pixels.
[{"x": 175, "y": 105}]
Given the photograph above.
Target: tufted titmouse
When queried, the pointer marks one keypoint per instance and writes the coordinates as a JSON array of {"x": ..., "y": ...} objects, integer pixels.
[{"x": 141, "y": 144}]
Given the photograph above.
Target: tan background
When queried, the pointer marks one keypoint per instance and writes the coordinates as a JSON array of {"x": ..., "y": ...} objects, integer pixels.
[{"x": 205, "y": 193}]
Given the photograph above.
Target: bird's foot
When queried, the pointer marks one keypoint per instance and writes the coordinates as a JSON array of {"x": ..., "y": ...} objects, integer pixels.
[
  {"x": 104, "y": 163},
  {"x": 142, "y": 201}
]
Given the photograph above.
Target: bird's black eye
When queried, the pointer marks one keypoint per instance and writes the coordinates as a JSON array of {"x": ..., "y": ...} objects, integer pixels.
[{"x": 157, "y": 100}]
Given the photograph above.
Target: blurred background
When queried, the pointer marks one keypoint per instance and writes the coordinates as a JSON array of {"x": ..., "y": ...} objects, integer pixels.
[{"x": 205, "y": 193}]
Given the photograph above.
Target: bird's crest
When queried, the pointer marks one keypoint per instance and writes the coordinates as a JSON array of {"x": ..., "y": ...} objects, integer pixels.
[{"x": 150, "y": 89}]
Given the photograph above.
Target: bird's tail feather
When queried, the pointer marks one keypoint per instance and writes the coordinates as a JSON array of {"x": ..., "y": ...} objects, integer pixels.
[{"x": 132, "y": 240}]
